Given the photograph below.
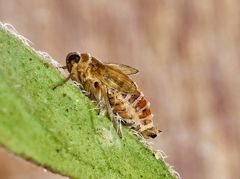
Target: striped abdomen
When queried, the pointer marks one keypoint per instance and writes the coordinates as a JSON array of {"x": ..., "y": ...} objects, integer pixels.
[{"x": 134, "y": 111}]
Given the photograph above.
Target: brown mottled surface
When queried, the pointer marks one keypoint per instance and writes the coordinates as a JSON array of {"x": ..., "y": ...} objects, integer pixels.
[{"x": 188, "y": 56}]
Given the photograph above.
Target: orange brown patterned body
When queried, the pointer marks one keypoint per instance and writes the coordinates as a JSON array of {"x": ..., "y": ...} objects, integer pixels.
[
  {"x": 112, "y": 89},
  {"x": 134, "y": 111}
]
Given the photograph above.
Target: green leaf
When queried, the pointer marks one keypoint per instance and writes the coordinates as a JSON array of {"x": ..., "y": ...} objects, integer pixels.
[{"x": 60, "y": 130}]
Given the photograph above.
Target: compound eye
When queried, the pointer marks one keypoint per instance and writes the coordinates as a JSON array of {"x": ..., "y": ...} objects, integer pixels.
[
  {"x": 73, "y": 58},
  {"x": 153, "y": 135}
]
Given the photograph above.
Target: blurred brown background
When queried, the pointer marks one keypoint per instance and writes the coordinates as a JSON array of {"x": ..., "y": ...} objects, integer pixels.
[{"x": 187, "y": 52}]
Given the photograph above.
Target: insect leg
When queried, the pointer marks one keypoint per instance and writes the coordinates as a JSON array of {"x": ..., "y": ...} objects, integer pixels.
[
  {"x": 62, "y": 82},
  {"x": 63, "y": 67},
  {"x": 116, "y": 125},
  {"x": 94, "y": 93}
]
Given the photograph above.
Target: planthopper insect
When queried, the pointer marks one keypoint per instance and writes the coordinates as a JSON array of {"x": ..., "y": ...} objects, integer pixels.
[{"x": 109, "y": 85}]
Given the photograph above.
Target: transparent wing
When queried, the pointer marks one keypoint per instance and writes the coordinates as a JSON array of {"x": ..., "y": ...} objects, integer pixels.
[
  {"x": 127, "y": 70},
  {"x": 113, "y": 78}
]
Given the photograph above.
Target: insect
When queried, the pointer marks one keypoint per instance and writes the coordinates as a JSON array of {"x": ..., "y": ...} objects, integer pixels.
[{"x": 110, "y": 86}]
